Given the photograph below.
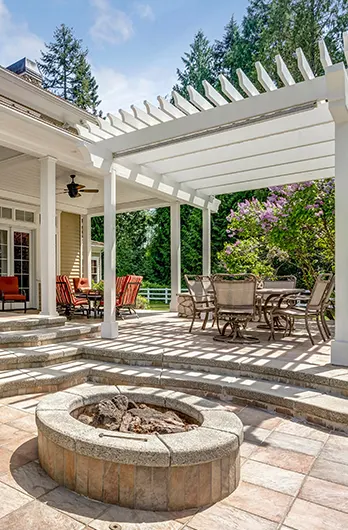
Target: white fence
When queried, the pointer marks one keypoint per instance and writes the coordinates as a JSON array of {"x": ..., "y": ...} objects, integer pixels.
[{"x": 158, "y": 294}]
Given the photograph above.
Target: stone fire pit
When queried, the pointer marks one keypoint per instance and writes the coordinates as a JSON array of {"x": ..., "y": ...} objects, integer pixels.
[{"x": 151, "y": 472}]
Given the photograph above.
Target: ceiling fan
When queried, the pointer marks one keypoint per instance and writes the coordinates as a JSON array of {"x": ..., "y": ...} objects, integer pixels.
[{"x": 73, "y": 189}]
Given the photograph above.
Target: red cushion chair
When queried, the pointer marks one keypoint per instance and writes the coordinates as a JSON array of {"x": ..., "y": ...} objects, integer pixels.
[
  {"x": 66, "y": 299},
  {"x": 9, "y": 291},
  {"x": 81, "y": 285},
  {"x": 127, "y": 301}
]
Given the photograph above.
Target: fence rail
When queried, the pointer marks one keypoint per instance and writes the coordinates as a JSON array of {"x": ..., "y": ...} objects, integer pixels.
[{"x": 158, "y": 294}]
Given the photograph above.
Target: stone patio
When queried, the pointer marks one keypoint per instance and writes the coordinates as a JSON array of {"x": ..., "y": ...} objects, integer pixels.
[{"x": 294, "y": 476}]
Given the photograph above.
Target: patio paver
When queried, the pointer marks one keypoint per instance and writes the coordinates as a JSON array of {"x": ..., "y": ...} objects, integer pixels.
[{"x": 279, "y": 488}]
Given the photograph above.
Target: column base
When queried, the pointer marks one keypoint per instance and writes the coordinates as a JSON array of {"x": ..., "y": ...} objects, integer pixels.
[
  {"x": 339, "y": 353},
  {"x": 49, "y": 313},
  {"x": 109, "y": 330},
  {"x": 173, "y": 307}
]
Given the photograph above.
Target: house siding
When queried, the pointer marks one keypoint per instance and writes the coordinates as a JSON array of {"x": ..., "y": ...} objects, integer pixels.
[{"x": 70, "y": 245}]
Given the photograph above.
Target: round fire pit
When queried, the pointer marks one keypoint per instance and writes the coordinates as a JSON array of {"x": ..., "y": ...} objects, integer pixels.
[{"x": 173, "y": 471}]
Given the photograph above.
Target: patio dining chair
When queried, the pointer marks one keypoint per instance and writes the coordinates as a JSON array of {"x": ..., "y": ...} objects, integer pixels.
[
  {"x": 235, "y": 304},
  {"x": 202, "y": 295},
  {"x": 279, "y": 282},
  {"x": 81, "y": 285},
  {"x": 66, "y": 300},
  {"x": 315, "y": 308}
]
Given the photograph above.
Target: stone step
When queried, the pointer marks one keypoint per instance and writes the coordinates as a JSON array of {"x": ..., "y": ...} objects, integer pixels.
[
  {"x": 325, "y": 379},
  {"x": 26, "y": 322},
  {"x": 47, "y": 335},
  {"x": 311, "y": 405}
]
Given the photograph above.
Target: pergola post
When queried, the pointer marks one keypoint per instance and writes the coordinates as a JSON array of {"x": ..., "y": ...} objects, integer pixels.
[
  {"x": 87, "y": 248},
  {"x": 175, "y": 254},
  {"x": 109, "y": 328},
  {"x": 337, "y": 82},
  {"x": 48, "y": 235},
  {"x": 206, "y": 242}
]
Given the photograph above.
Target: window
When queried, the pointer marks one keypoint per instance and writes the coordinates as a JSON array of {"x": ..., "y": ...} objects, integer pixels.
[
  {"x": 5, "y": 213},
  {"x": 3, "y": 253},
  {"x": 94, "y": 270},
  {"x": 21, "y": 252},
  {"x": 22, "y": 215}
]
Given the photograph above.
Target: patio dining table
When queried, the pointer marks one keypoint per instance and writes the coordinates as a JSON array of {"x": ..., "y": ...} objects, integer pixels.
[{"x": 271, "y": 294}]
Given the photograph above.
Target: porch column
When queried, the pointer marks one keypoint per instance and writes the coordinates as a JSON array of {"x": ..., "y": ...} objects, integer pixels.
[
  {"x": 337, "y": 83},
  {"x": 339, "y": 350},
  {"x": 175, "y": 254},
  {"x": 48, "y": 235},
  {"x": 87, "y": 248},
  {"x": 109, "y": 328},
  {"x": 206, "y": 242}
]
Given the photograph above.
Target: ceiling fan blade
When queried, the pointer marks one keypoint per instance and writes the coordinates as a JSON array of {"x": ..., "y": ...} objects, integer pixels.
[
  {"x": 61, "y": 192},
  {"x": 80, "y": 186},
  {"x": 89, "y": 191}
]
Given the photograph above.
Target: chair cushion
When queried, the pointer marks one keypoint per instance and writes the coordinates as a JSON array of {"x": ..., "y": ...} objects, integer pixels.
[
  {"x": 17, "y": 297},
  {"x": 9, "y": 284}
]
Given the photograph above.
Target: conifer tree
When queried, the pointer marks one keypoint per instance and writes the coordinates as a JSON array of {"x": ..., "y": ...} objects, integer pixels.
[
  {"x": 66, "y": 71},
  {"x": 198, "y": 65},
  {"x": 228, "y": 53}
]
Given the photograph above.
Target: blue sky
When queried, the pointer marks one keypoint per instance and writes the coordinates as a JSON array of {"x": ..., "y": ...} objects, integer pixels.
[{"x": 134, "y": 46}]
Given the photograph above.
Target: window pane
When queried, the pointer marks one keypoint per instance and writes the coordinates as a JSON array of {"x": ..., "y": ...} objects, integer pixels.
[
  {"x": 3, "y": 237},
  {"x": 21, "y": 242}
]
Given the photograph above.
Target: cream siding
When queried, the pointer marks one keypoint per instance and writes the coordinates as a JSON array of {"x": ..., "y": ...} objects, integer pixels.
[{"x": 70, "y": 245}]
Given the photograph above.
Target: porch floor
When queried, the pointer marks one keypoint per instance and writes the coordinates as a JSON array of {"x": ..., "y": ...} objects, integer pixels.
[{"x": 165, "y": 332}]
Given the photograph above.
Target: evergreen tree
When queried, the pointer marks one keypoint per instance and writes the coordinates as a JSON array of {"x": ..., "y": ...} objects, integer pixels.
[
  {"x": 66, "y": 71},
  {"x": 198, "y": 65},
  {"x": 228, "y": 53}
]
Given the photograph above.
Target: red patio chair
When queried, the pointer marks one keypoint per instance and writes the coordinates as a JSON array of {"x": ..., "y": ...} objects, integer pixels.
[
  {"x": 81, "y": 285},
  {"x": 66, "y": 299},
  {"x": 9, "y": 291},
  {"x": 127, "y": 301}
]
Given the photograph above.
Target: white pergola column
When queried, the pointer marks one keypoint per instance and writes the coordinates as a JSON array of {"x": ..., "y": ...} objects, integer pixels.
[
  {"x": 175, "y": 254},
  {"x": 109, "y": 328},
  {"x": 48, "y": 235},
  {"x": 206, "y": 242},
  {"x": 337, "y": 84},
  {"x": 87, "y": 248},
  {"x": 339, "y": 352}
]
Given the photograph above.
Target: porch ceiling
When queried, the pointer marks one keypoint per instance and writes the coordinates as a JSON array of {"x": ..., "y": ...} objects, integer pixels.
[{"x": 20, "y": 181}]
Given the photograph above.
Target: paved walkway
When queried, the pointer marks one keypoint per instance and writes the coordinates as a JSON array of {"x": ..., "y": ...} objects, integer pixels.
[{"x": 294, "y": 476}]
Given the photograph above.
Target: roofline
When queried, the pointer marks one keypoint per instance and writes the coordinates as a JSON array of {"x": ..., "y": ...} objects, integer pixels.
[{"x": 56, "y": 103}]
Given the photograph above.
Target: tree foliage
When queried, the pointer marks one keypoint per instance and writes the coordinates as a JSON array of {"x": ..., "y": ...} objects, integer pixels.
[
  {"x": 294, "y": 225},
  {"x": 66, "y": 70}
]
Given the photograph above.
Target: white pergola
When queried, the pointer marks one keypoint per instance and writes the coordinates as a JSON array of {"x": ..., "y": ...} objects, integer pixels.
[{"x": 226, "y": 142}]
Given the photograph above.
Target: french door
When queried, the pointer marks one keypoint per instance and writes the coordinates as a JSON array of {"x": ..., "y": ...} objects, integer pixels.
[{"x": 16, "y": 259}]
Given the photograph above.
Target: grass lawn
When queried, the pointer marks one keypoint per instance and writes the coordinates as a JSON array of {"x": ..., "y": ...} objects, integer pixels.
[{"x": 159, "y": 306}]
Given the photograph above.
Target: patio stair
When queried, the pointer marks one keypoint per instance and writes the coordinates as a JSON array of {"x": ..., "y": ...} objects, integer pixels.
[
  {"x": 36, "y": 333},
  {"x": 307, "y": 404},
  {"x": 46, "y": 356}
]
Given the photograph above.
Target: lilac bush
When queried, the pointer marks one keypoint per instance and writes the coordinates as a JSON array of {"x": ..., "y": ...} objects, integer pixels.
[{"x": 294, "y": 227}]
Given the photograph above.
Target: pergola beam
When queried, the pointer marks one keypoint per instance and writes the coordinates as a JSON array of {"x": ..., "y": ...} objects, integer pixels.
[{"x": 215, "y": 119}]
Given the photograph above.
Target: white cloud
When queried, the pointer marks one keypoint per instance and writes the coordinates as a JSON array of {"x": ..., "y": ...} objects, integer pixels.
[
  {"x": 118, "y": 90},
  {"x": 110, "y": 25},
  {"x": 144, "y": 11},
  {"x": 16, "y": 40}
]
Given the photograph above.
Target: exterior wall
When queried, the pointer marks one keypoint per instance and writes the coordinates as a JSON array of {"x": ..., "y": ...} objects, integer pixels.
[{"x": 70, "y": 245}]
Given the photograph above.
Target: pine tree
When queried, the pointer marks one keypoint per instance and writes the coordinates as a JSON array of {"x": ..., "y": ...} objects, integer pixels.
[
  {"x": 198, "y": 65},
  {"x": 66, "y": 71},
  {"x": 228, "y": 53}
]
